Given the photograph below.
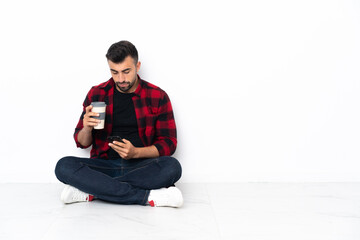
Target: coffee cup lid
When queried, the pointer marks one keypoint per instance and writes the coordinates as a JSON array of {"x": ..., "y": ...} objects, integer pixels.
[{"x": 98, "y": 104}]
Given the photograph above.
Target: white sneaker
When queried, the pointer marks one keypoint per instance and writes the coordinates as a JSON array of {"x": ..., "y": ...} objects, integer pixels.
[
  {"x": 166, "y": 197},
  {"x": 71, "y": 195}
]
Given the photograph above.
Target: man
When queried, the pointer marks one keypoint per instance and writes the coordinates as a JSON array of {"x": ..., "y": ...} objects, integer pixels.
[{"x": 137, "y": 168}]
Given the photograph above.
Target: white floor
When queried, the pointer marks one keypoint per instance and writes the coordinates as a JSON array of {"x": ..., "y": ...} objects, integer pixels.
[{"x": 261, "y": 211}]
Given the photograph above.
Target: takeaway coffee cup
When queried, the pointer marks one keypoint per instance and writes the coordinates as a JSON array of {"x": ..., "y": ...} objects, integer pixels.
[{"x": 99, "y": 107}]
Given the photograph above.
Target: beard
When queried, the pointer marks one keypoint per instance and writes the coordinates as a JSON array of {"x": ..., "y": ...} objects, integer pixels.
[{"x": 126, "y": 87}]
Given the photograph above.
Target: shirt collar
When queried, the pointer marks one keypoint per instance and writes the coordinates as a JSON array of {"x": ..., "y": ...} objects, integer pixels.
[
  {"x": 108, "y": 85},
  {"x": 139, "y": 87}
]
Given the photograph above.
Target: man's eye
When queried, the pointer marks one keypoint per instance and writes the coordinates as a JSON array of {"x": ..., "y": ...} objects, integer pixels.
[
  {"x": 127, "y": 72},
  {"x": 115, "y": 73}
]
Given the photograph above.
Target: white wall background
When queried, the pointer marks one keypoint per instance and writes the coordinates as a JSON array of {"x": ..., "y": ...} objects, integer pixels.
[{"x": 262, "y": 90}]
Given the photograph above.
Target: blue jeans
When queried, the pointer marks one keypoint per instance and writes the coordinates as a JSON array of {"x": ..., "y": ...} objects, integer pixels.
[{"x": 120, "y": 181}]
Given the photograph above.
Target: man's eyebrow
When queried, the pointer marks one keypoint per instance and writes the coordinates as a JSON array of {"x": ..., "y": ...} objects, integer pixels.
[{"x": 126, "y": 69}]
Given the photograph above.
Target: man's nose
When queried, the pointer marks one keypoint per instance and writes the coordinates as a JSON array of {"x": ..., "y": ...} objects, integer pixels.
[{"x": 121, "y": 77}]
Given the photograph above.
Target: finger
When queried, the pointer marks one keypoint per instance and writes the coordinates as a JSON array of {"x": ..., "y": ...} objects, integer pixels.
[
  {"x": 113, "y": 146},
  {"x": 124, "y": 155},
  {"x": 88, "y": 108},
  {"x": 127, "y": 143},
  {"x": 91, "y": 124},
  {"x": 92, "y": 114},
  {"x": 120, "y": 144},
  {"x": 92, "y": 121},
  {"x": 119, "y": 149}
]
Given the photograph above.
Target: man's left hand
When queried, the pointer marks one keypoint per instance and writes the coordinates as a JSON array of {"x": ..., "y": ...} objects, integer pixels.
[{"x": 126, "y": 150}]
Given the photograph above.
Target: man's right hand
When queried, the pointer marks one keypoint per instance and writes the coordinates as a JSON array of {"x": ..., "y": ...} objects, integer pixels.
[{"x": 88, "y": 121}]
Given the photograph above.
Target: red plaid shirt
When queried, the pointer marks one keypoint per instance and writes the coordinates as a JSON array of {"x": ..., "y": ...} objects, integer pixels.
[{"x": 155, "y": 118}]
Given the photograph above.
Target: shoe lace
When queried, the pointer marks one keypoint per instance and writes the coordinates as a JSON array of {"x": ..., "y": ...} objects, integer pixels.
[
  {"x": 162, "y": 199},
  {"x": 80, "y": 196}
]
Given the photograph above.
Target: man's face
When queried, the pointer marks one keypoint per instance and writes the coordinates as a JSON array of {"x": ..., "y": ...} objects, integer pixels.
[{"x": 125, "y": 74}]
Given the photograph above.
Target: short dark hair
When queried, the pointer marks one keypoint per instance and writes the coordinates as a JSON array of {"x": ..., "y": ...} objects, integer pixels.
[{"x": 120, "y": 50}]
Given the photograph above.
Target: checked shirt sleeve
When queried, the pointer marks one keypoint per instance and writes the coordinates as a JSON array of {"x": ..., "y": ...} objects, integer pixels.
[
  {"x": 165, "y": 128},
  {"x": 80, "y": 125}
]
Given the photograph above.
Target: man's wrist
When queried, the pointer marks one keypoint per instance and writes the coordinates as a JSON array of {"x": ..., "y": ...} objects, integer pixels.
[
  {"x": 137, "y": 152},
  {"x": 87, "y": 129},
  {"x": 146, "y": 152}
]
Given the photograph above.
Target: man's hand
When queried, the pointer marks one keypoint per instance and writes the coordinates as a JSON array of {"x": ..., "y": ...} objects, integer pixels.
[
  {"x": 89, "y": 122},
  {"x": 126, "y": 150},
  {"x": 85, "y": 137}
]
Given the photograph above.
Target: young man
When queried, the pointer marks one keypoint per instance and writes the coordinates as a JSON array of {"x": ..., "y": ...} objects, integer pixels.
[{"x": 137, "y": 168}]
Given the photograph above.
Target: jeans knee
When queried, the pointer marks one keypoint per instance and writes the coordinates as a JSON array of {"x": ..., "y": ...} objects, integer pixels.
[
  {"x": 174, "y": 169},
  {"x": 63, "y": 168},
  {"x": 177, "y": 168}
]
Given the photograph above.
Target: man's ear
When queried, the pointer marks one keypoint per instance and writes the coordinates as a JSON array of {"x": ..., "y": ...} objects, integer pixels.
[{"x": 138, "y": 65}]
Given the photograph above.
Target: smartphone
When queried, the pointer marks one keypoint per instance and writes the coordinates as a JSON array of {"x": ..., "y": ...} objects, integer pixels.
[{"x": 115, "y": 138}]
